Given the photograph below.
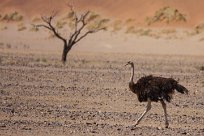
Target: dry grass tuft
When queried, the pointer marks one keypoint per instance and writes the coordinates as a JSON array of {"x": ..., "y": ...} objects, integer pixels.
[
  {"x": 14, "y": 16},
  {"x": 167, "y": 15},
  {"x": 202, "y": 68},
  {"x": 21, "y": 27}
]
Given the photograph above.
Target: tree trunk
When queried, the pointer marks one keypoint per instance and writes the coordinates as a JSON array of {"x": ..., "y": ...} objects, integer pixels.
[{"x": 66, "y": 49}]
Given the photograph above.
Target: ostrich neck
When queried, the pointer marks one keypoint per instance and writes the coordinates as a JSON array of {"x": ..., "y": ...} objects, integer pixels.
[{"x": 132, "y": 74}]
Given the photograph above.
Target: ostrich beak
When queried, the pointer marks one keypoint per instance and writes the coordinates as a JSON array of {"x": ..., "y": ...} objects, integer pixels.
[{"x": 128, "y": 63}]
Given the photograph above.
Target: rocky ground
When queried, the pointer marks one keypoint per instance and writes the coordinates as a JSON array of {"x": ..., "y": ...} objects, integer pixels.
[{"x": 90, "y": 96}]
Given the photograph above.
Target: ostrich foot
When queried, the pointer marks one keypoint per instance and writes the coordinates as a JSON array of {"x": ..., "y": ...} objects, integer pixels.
[
  {"x": 166, "y": 125},
  {"x": 134, "y": 126},
  {"x": 137, "y": 123}
]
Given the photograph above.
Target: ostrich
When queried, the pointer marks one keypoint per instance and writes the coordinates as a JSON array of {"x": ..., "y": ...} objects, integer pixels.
[{"x": 153, "y": 89}]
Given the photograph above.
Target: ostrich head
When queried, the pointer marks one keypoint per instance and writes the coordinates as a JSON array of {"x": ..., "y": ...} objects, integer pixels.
[{"x": 129, "y": 63}]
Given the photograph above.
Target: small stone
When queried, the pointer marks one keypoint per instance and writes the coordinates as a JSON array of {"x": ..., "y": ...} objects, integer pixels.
[
  {"x": 159, "y": 128},
  {"x": 25, "y": 128},
  {"x": 3, "y": 125},
  {"x": 93, "y": 131}
]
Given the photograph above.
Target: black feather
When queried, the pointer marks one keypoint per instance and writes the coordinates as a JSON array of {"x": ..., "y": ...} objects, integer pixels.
[
  {"x": 156, "y": 88},
  {"x": 181, "y": 89}
]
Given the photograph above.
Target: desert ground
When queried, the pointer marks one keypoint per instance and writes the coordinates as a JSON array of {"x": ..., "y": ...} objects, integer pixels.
[{"x": 90, "y": 95}]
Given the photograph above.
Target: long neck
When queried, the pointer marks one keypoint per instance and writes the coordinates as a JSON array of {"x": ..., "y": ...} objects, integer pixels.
[{"x": 132, "y": 74}]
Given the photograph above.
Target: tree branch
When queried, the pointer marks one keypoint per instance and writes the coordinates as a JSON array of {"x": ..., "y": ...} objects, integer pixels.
[
  {"x": 41, "y": 25},
  {"x": 89, "y": 32},
  {"x": 81, "y": 21},
  {"x": 49, "y": 26},
  {"x": 76, "y": 19}
]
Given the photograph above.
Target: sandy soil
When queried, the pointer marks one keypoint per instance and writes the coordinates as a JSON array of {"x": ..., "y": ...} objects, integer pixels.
[
  {"x": 122, "y": 9},
  {"x": 172, "y": 44},
  {"x": 89, "y": 96}
]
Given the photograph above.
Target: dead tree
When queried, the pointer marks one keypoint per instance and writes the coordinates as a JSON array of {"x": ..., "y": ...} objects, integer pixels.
[{"x": 83, "y": 25}]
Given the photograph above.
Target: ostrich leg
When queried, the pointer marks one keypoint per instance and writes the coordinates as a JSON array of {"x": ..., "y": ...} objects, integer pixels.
[
  {"x": 148, "y": 107},
  {"x": 165, "y": 113}
]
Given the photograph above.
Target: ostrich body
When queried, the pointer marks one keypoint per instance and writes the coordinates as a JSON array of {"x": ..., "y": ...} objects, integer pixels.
[{"x": 153, "y": 89}]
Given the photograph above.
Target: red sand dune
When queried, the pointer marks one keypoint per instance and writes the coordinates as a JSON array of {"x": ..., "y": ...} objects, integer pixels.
[{"x": 119, "y": 9}]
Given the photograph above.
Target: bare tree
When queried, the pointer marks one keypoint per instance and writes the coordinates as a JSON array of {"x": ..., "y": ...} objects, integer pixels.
[{"x": 83, "y": 25}]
